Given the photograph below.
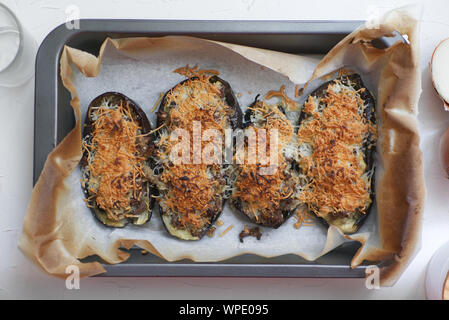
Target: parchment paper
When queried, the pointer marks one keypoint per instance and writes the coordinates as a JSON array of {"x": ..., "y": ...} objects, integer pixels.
[{"x": 59, "y": 229}]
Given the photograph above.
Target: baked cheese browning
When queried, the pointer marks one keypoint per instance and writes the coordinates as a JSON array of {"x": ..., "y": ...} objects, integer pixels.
[
  {"x": 193, "y": 193},
  {"x": 115, "y": 165},
  {"x": 260, "y": 195},
  {"x": 333, "y": 138},
  {"x": 198, "y": 99},
  {"x": 265, "y": 195}
]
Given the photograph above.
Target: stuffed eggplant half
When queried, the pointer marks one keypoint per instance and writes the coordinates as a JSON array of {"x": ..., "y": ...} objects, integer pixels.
[
  {"x": 115, "y": 162},
  {"x": 265, "y": 186},
  {"x": 337, "y": 137},
  {"x": 189, "y": 171}
]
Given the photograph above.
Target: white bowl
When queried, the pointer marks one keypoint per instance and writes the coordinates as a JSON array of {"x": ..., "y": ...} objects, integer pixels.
[{"x": 437, "y": 271}]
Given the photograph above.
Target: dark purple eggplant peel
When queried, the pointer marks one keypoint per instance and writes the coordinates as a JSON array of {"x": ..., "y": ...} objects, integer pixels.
[
  {"x": 135, "y": 206},
  {"x": 267, "y": 198},
  {"x": 347, "y": 221},
  {"x": 191, "y": 196}
]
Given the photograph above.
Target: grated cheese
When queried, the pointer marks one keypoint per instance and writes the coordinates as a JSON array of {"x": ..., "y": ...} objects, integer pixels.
[
  {"x": 115, "y": 169},
  {"x": 332, "y": 160},
  {"x": 193, "y": 192},
  {"x": 259, "y": 193}
]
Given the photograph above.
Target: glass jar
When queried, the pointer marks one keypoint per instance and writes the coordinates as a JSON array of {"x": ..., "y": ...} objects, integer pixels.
[{"x": 17, "y": 50}]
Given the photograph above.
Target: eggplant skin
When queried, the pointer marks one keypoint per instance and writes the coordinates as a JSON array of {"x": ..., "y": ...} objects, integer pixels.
[
  {"x": 276, "y": 216},
  {"x": 347, "y": 224},
  {"x": 271, "y": 221},
  {"x": 170, "y": 219},
  {"x": 147, "y": 147},
  {"x": 350, "y": 222},
  {"x": 184, "y": 234}
]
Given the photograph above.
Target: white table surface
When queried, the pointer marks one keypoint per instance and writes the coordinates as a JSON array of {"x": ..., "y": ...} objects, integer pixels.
[{"x": 19, "y": 278}]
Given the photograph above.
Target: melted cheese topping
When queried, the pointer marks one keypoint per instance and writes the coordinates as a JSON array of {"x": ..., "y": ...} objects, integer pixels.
[
  {"x": 114, "y": 171},
  {"x": 190, "y": 194},
  {"x": 260, "y": 192},
  {"x": 193, "y": 192},
  {"x": 332, "y": 158}
]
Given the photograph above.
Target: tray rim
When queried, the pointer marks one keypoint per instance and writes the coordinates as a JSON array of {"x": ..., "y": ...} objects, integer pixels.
[{"x": 48, "y": 55}]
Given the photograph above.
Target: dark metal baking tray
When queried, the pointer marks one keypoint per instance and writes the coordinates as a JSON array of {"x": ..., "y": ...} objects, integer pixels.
[{"x": 54, "y": 119}]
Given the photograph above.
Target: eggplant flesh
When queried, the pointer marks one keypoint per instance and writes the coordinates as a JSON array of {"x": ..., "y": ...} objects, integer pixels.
[
  {"x": 257, "y": 196},
  {"x": 350, "y": 222},
  {"x": 171, "y": 207},
  {"x": 140, "y": 206}
]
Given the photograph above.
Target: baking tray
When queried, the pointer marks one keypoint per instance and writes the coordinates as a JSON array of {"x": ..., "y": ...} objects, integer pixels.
[{"x": 54, "y": 118}]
